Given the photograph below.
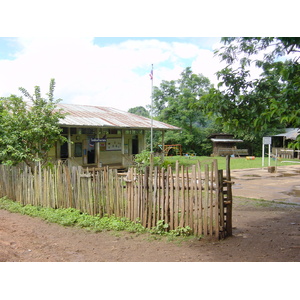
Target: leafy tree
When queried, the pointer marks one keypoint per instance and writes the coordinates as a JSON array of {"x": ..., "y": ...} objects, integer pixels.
[
  {"x": 174, "y": 102},
  {"x": 29, "y": 129},
  {"x": 140, "y": 111},
  {"x": 255, "y": 106}
]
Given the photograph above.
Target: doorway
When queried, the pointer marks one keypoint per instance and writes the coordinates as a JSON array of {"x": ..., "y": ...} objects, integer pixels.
[
  {"x": 90, "y": 152},
  {"x": 64, "y": 151},
  {"x": 135, "y": 146}
]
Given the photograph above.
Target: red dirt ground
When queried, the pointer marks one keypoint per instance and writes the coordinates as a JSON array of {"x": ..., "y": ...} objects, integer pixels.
[{"x": 263, "y": 232}]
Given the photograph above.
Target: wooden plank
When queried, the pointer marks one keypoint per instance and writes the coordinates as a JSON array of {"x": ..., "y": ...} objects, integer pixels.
[
  {"x": 140, "y": 195},
  {"x": 150, "y": 198},
  {"x": 172, "y": 198},
  {"x": 229, "y": 198},
  {"x": 221, "y": 202},
  {"x": 167, "y": 196},
  {"x": 206, "y": 199},
  {"x": 216, "y": 200},
  {"x": 182, "y": 200},
  {"x": 145, "y": 197},
  {"x": 189, "y": 200},
  {"x": 200, "y": 201},
  {"x": 154, "y": 197},
  {"x": 177, "y": 190},
  {"x": 194, "y": 201},
  {"x": 162, "y": 190}
]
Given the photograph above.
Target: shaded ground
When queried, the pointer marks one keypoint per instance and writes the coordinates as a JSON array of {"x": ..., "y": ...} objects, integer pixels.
[{"x": 263, "y": 231}]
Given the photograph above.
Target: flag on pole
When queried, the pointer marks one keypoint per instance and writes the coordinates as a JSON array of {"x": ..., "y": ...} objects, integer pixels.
[{"x": 151, "y": 74}]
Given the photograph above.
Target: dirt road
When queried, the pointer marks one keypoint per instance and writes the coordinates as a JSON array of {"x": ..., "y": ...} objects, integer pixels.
[{"x": 261, "y": 233}]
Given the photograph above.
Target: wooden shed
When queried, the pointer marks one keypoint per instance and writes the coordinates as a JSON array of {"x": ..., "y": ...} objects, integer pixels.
[
  {"x": 280, "y": 143},
  {"x": 99, "y": 136},
  {"x": 225, "y": 144}
]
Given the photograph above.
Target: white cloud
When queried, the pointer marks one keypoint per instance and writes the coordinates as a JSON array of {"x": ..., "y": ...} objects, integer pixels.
[
  {"x": 115, "y": 75},
  {"x": 207, "y": 64}
]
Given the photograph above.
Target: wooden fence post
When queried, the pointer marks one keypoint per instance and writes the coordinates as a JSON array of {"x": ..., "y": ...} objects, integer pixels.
[{"x": 229, "y": 198}]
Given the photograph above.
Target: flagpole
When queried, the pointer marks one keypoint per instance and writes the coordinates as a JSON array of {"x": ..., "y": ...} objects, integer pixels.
[{"x": 151, "y": 76}]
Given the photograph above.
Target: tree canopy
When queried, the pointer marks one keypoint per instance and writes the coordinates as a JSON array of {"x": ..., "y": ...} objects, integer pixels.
[
  {"x": 29, "y": 129},
  {"x": 175, "y": 102},
  {"x": 250, "y": 105},
  {"x": 140, "y": 111}
]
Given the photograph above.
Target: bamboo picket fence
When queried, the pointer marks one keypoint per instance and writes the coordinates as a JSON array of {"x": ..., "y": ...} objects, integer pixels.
[{"x": 182, "y": 197}]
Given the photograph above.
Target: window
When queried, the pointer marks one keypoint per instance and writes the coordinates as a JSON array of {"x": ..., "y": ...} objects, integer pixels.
[
  {"x": 114, "y": 131},
  {"x": 73, "y": 130},
  {"x": 64, "y": 130},
  {"x": 78, "y": 150},
  {"x": 87, "y": 131}
]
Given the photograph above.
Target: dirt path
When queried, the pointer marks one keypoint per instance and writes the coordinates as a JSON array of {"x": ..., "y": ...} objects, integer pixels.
[{"x": 261, "y": 233}]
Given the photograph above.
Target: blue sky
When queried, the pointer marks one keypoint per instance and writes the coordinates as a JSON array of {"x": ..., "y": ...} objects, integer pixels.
[{"x": 107, "y": 71}]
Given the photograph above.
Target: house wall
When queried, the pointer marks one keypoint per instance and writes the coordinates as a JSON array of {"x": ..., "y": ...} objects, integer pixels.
[
  {"x": 119, "y": 147},
  {"x": 219, "y": 147}
]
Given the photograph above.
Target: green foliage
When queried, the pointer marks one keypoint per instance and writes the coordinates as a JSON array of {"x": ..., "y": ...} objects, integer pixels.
[
  {"x": 140, "y": 111},
  {"x": 160, "y": 228},
  {"x": 73, "y": 217},
  {"x": 143, "y": 159},
  {"x": 181, "y": 231},
  {"x": 29, "y": 129},
  {"x": 235, "y": 163},
  {"x": 268, "y": 102},
  {"x": 177, "y": 103}
]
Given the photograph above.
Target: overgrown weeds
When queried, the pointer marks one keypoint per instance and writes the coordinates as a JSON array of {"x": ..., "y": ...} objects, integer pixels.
[{"x": 73, "y": 217}]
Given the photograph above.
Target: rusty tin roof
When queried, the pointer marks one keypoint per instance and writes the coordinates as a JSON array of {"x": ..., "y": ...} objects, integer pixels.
[{"x": 98, "y": 116}]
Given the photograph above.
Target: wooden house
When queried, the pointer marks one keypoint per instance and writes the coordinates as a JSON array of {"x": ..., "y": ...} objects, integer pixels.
[
  {"x": 225, "y": 144},
  {"x": 99, "y": 136}
]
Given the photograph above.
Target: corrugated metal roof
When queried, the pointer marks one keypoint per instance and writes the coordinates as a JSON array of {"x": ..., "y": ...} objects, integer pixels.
[
  {"x": 227, "y": 140},
  {"x": 98, "y": 116},
  {"x": 290, "y": 134}
]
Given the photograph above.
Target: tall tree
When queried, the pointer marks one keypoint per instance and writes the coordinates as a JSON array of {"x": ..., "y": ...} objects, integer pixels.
[
  {"x": 174, "y": 102},
  {"x": 29, "y": 129},
  {"x": 250, "y": 105},
  {"x": 140, "y": 111}
]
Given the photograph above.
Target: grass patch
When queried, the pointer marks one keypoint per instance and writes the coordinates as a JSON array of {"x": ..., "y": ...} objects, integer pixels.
[
  {"x": 73, "y": 217},
  {"x": 235, "y": 163}
]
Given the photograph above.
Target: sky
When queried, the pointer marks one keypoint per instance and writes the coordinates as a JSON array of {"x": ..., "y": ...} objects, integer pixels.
[
  {"x": 103, "y": 54},
  {"x": 104, "y": 71}
]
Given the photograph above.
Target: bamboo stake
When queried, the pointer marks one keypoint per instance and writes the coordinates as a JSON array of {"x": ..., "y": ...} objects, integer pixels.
[
  {"x": 172, "y": 221},
  {"x": 211, "y": 192},
  {"x": 221, "y": 202},
  {"x": 176, "y": 202},
  {"x": 229, "y": 198},
  {"x": 200, "y": 201},
  {"x": 187, "y": 199},
  {"x": 216, "y": 200},
  {"x": 182, "y": 202},
  {"x": 163, "y": 196},
  {"x": 145, "y": 196},
  {"x": 194, "y": 199},
  {"x": 150, "y": 199},
  {"x": 154, "y": 198},
  {"x": 206, "y": 187}
]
